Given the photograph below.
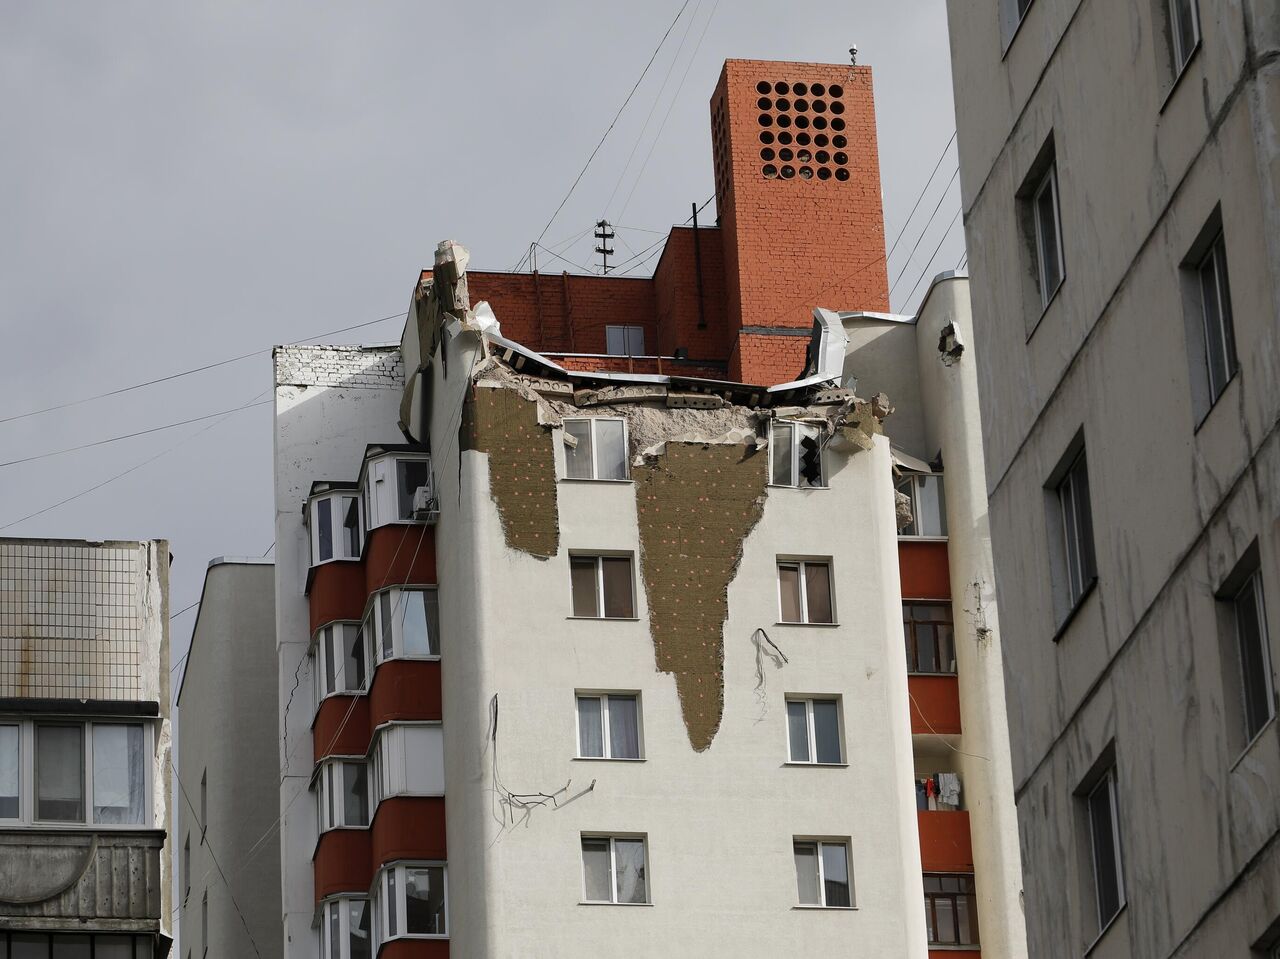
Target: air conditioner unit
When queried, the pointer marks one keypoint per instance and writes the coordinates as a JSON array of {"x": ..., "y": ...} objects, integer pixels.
[{"x": 425, "y": 505}]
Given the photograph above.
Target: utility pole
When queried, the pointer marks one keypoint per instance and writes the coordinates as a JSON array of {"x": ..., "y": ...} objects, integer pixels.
[{"x": 604, "y": 233}]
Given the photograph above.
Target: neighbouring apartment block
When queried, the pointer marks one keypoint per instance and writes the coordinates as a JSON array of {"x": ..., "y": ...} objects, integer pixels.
[
  {"x": 628, "y": 615},
  {"x": 84, "y": 749},
  {"x": 227, "y": 847},
  {"x": 1120, "y": 168}
]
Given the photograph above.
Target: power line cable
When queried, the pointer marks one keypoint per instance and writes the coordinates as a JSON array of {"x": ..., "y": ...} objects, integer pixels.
[
  {"x": 920, "y": 238},
  {"x": 925, "y": 271},
  {"x": 942, "y": 156},
  {"x": 612, "y": 124},
  {"x": 197, "y": 369},
  {"x": 129, "y": 436}
]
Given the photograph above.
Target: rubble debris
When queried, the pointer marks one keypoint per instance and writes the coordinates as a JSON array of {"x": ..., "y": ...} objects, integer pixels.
[{"x": 949, "y": 345}]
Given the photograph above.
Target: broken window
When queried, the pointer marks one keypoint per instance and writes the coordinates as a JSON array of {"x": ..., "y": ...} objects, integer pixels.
[
  {"x": 1184, "y": 31},
  {"x": 404, "y": 623},
  {"x": 804, "y": 592},
  {"x": 813, "y": 731},
  {"x": 1215, "y": 313},
  {"x": 822, "y": 874},
  {"x": 1044, "y": 203},
  {"x": 348, "y": 932},
  {"x": 624, "y": 340},
  {"x": 796, "y": 455},
  {"x": 334, "y": 521},
  {"x": 340, "y": 650},
  {"x": 1104, "y": 839},
  {"x": 344, "y": 794},
  {"x": 928, "y": 504},
  {"x": 614, "y": 869},
  {"x": 595, "y": 449},
  {"x": 602, "y": 587},
  {"x": 951, "y": 909},
  {"x": 608, "y": 726},
  {"x": 931, "y": 645},
  {"x": 1077, "y": 530}
]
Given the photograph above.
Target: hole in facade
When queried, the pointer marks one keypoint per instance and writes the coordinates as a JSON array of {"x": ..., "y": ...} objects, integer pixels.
[
  {"x": 819, "y": 106},
  {"x": 824, "y": 173},
  {"x": 806, "y": 173},
  {"x": 784, "y": 121},
  {"x": 842, "y": 174},
  {"x": 839, "y": 142},
  {"x": 817, "y": 89},
  {"x": 837, "y": 124},
  {"x": 782, "y": 103},
  {"x": 780, "y": 88},
  {"x": 788, "y": 172},
  {"x": 820, "y": 140},
  {"x": 766, "y": 137},
  {"x": 766, "y": 154},
  {"x": 842, "y": 158},
  {"x": 836, "y": 90},
  {"x": 804, "y": 156},
  {"x": 837, "y": 107},
  {"x": 819, "y": 123},
  {"x": 784, "y": 137},
  {"x": 824, "y": 156},
  {"x": 802, "y": 121},
  {"x": 799, "y": 89},
  {"x": 769, "y": 170},
  {"x": 764, "y": 103},
  {"x": 766, "y": 120},
  {"x": 785, "y": 154},
  {"x": 763, "y": 87},
  {"x": 802, "y": 106}
]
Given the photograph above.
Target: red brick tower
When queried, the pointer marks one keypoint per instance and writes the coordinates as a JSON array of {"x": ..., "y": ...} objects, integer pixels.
[{"x": 798, "y": 190}]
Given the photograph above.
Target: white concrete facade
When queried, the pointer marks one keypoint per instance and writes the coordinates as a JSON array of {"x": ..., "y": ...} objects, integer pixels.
[{"x": 1141, "y": 674}]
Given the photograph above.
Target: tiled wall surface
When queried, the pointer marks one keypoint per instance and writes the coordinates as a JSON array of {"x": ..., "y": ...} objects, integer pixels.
[{"x": 72, "y": 617}]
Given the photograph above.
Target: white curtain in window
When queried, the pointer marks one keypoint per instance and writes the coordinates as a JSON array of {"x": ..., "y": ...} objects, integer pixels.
[
  {"x": 119, "y": 775},
  {"x": 624, "y": 731},
  {"x": 611, "y": 456},
  {"x": 577, "y": 449},
  {"x": 595, "y": 868},
  {"x": 807, "y": 873},
  {"x": 628, "y": 857},
  {"x": 590, "y": 727},
  {"x": 413, "y": 620}
]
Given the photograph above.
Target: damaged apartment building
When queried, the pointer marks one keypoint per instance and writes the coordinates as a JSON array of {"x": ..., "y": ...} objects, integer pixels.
[
  {"x": 84, "y": 749},
  {"x": 630, "y": 615}
]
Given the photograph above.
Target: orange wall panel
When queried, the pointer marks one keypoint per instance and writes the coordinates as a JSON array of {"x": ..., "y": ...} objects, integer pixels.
[
  {"x": 923, "y": 569},
  {"x": 400, "y": 554},
  {"x": 405, "y": 689},
  {"x": 336, "y": 591},
  {"x": 945, "y": 844},
  {"x": 341, "y": 863},
  {"x": 427, "y": 949},
  {"x": 935, "y": 704},
  {"x": 335, "y": 733},
  {"x": 408, "y": 827}
]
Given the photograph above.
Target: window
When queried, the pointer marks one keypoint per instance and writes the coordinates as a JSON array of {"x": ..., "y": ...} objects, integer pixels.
[
  {"x": 813, "y": 731},
  {"x": 1249, "y": 619},
  {"x": 186, "y": 868},
  {"x": 340, "y": 649},
  {"x": 931, "y": 644},
  {"x": 412, "y": 900},
  {"x": 334, "y": 520},
  {"x": 76, "y": 945},
  {"x": 407, "y": 759},
  {"x": 348, "y": 932},
  {"x": 804, "y": 592},
  {"x": 119, "y": 774},
  {"x": 602, "y": 587},
  {"x": 204, "y": 803},
  {"x": 390, "y": 485},
  {"x": 609, "y": 726},
  {"x": 59, "y": 773},
  {"x": 404, "y": 623},
  {"x": 1076, "y": 519},
  {"x": 624, "y": 340},
  {"x": 204, "y": 923},
  {"x": 928, "y": 504},
  {"x": 10, "y": 771},
  {"x": 1104, "y": 840},
  {"x": 344, "y": 795},
  {"x": 796, "y": 455},
  {"x": 951, "y": 910},
  {"x": 595, "y": 449},
  {"x": 1216, "y": 322},
  {"x": 614, "y": 870},
  {"x": 1184, "y": 31},
  {"x": 1048, "y": 233},
  {"x": 822, "y": 873}
]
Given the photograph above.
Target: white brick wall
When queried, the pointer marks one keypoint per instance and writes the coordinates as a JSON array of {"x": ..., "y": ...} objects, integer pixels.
[{"x": 354, "y": 367}]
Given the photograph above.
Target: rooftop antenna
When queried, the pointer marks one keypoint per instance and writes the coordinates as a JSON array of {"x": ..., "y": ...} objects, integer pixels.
[
  {"x": 853, "y": 54},
  {"x": 604, "y": 233}
]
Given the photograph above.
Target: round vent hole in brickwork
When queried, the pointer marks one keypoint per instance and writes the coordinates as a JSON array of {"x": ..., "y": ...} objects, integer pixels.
[
  {"x": 820, "y": 140},
  {"x": 819, "y": 123},
  {"x": 802, "y": 106},
  {"x": 764, "y": 103},
  {"x": 842, "y": 174},
  {"x": 839, "y": 142},
  {"x": 782, "y": 103},
  {"x": 770, "y": 171},
  {"x": 763, "y": 86},
  {"x": 837, "y": 123},
  {"x": 817, "y": 89},
  {"x": 802, "y": 139},
  {"x": 784, "y": 154},
  {"x": 802, "y": 122},
  {"x": 804, "y": 156},
  {"x": 824, "y": 173},
  {"x": 836, "y": 90},
  {"x": 766, "y": 120},
  {"x": 766, "y": 137},
  {"x": 784, "y": 120},
  {"x": 781, "y": 89},
  {"x": 823, "y": 156},
  {"x": 806, "y": 173},
  {"x": 819, "y": 106},
  {"x": 784, "y": 137},
  {"x": 788, "y": 172},
  {"x": 842, "y": 158},
  {"x": 799, "y": 89},
  {"x": 837, "y": 107},
  {"x": 766, "y": 154}
]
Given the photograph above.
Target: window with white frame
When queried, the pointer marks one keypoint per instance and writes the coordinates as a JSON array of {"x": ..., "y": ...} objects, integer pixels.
[
  {"x": 1184, "y": 31},
  {"x": 813, "y": 731},
  {"x": 1048, "y": 234},
  {"x": 804, "y": 592},
  {"x": 348, "y": 929},
  {"x": 404, "y": 623},
  {"x": 1249, "y": 619},
  {"x": 602, "y": 586},
  {"x": 69, "y": 773},
  {"x": 608, "y": 726},
  {"x": 335, "y": 526},
  {"x": 390, "y": 486},
  {"x": 822, "y": 873},
  {"x": 343, "y": 789},
  {"x": 624, "y": 340},
  {"x": 1217, "y": 325},
  {"x": 614, "y": 870},
  {"x": 1104, "y": 841},
  {"x": 341, "y": 658},
  {"x": 407, "y": 759},
  {"x": 595, "y": 448},
  {"x": 412, "y": 900},
  {"x": 795, "y": 451},
  {"x": 928, "y": 504},
  {"x": 1076, "y": 524}
]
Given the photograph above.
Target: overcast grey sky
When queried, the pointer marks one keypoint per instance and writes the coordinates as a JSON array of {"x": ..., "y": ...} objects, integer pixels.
[{"x": 184, "y": 182}]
